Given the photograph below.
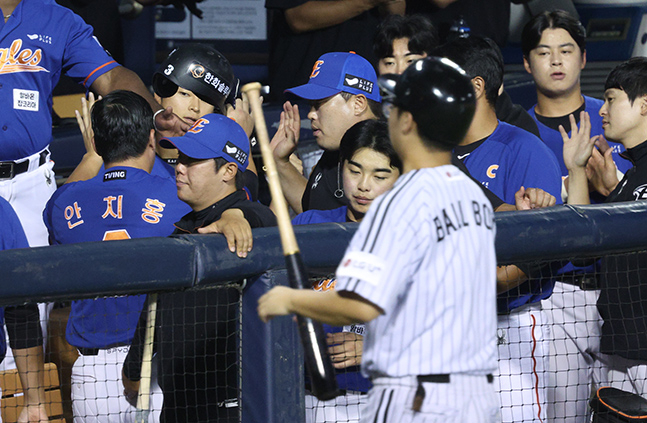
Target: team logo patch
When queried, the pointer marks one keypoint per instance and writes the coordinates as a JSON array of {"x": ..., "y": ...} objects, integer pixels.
[
  {"x": 198, "y": 126},
  {"x": 361, "y": 265},
  {"x": 114, "y": 175},
  {"x": 356, "y": 82},
  {"x": 640, "y": 193},
  {"x": 491, "y": 171},
  {"x": 234, "y": 152},
  {"x": 316, "y": 68},
  {"x": 25, "y": 100},
  {"x": 196, "y": 70}
]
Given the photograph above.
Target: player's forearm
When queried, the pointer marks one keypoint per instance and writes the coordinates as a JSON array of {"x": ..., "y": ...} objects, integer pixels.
[
  {"x": 31, "y": 369},
  {"x": 441, "y": 3},
  {"x": 578, "y": 186},
  {"x": 314, "y": 15},
  {"x": 88, "y": 168},
  {"x": 394, "y": 7},
  {"x": 121, "y": 78},
  {"x": 293, "y": 184},
  {"x": 330, "y": 308},
  {"x": 509, "y": 277}
]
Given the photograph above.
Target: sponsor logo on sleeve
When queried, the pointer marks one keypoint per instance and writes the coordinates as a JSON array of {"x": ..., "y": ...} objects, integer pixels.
[{"x": 361, "y": 265}]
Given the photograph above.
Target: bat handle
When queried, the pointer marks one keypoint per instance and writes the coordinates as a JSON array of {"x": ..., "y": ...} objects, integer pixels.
[{"x": 143, "y": 400}]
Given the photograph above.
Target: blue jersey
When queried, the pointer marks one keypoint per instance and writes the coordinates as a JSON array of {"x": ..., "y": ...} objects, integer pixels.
[
  {"x": 39, "y": 41},
  {"x": 11, "y": 236},
  {"x": 120, "y": 203},
  {"x": 553, "y": 139},
  {"x": 349, "y": 378},
  {"x": 509, "y": 159}
]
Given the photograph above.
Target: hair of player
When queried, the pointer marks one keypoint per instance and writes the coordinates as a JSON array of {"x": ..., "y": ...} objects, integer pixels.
[
  {"x": 478, "y": 56},
  {"x": 372, "y": 134},
  {"x": 122, "y": 122},
  {"x": 555, "y": 19},
  {"x": 418, "y": 29},
  {"x": 374, "y": 106},
  {"x": 220, "y": 162},
  {"x": 630, "y": 77}
]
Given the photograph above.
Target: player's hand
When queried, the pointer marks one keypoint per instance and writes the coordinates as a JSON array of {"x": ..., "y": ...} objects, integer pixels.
[
  {"x": 533, "y": 198},
  {"x": 345, "y": 349},
  {"x": 236, "y": 229},
  {"x": 34, "y": 413},
  {"x": 601, "y": 171},
  {"x": 85, "y": 123},
  {"x": 578, "y": 147},
  {"x": 131, "y": 390},
  {"x": 242, "y": 114},
  {"x": 285, "y": 141},
  {"x": 274, "y": 303},
  {"x": 168, "y": 124}
]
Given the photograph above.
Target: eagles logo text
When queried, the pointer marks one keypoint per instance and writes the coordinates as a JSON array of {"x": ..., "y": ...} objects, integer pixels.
[{"x": 16, "y": 59}]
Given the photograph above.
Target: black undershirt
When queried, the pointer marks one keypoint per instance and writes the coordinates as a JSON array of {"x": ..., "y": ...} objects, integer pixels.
[{"x": 554, "y": 122}]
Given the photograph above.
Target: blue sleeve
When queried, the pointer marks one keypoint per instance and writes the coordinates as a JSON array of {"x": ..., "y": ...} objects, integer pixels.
[
  {"x": 85, "y": 59},
  {"x": 302, "y": 218},
  {"x": 534, "y": 166},
  {"x": 11, "y": 235},
  {"x": 48, "y": 213}
]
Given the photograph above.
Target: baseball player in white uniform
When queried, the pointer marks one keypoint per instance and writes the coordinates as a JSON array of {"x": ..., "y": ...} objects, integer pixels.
[{"x": 421, "y": 268}]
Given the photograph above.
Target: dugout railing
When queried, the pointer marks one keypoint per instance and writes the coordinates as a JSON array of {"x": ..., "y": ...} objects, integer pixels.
[{"x": 272, "y": 386}]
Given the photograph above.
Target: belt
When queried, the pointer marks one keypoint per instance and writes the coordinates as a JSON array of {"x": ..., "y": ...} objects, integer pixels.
[
  {"x": 439, "y": 378},
  {"x": 8, "y": 170},
  {"x": 88, "y": 351},
  {"x": 584, "y": 281},
  {"x": 345, "y": 392}
]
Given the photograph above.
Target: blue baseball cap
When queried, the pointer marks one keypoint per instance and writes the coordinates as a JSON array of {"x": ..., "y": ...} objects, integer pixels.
[
  {"x": 337, "y": 72},
  {"x": 212, "y": 136}
]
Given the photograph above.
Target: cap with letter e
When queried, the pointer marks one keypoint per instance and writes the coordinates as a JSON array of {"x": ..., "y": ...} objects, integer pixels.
[
  {"x": 333, "y": 73},
  {"x": 212, "y": 136}
]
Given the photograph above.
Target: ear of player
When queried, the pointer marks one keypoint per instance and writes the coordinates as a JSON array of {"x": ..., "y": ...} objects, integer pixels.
[{"x": 320, "y": 369}]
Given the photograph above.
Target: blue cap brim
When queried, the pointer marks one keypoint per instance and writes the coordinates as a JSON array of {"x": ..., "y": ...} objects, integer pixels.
[
  {"x": 313, "y": 91},
  {"x": 188, "y": 147}
]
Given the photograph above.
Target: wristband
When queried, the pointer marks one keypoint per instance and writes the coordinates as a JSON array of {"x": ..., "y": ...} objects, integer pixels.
[{"x": 154, "y": 116}]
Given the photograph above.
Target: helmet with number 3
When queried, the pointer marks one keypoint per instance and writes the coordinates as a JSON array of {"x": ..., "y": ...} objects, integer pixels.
[{"x": 201, "y": 69}]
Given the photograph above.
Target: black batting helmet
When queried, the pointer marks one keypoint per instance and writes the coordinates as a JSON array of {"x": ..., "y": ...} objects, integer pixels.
[
  {"x": 438, "y": 94},
  {"x": 201, "y": 69}
]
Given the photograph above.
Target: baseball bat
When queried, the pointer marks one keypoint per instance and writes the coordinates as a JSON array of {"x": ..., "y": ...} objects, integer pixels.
[
  {"x": 320, "y": 368},
  {"x": 143, "y": 399}
]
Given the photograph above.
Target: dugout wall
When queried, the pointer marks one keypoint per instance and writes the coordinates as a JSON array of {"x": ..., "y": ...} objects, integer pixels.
[{"x": 272, "y": 370}]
